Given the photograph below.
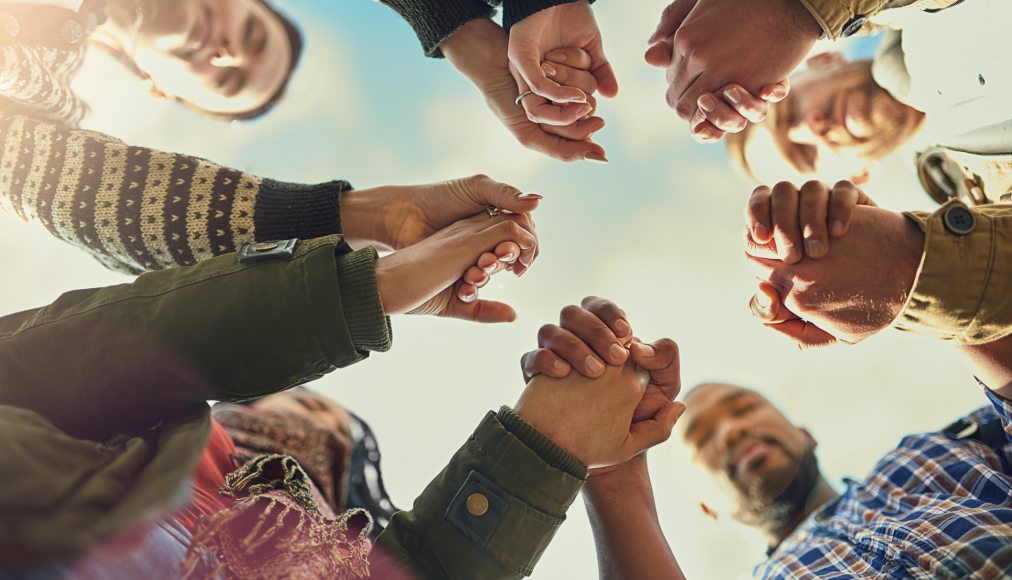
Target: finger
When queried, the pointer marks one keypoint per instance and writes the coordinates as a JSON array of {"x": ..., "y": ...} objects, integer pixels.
[
  {"x": 507, "y": 252},
  {"x": 686, "y": 88},
  {"x": 720, "y": 114},
  {"x": 571, "y": 56},
  {"x": 671, "y": 18},
  {"x": 487, "y": 192},
  {"x": 784, "y": 212},
  {"x": 484, "y": 311},
  {"x": 549, "y": 113},
  {"x": 755, "y": 249},
  {"x": 773, "y": 271},
  {"x": 475, "y": 276},
  {"x": 527, "y": 255},
  {"x": 594, "y": 333},
  {"x": 650, "y": 432},
  {"x": 527, "y": 63},
  {"x": 758, "y": 214},
  {"x": 489, "y": 263},
  {"x": 804, "y": 334},
  {"x": 776, "y": 92},
  {"x": 748, "y": 106},
  {"x": 842, "y": 200},
  {"x": 571, "y": 77},
  {"x": 660, "y": 54},
  {"x": 578, "y": 131},
  {"x": 812, "y": 211},
  {"x": 517, "y": 228},
  {"x": 662, "y": 359},
  {"x": 767, "y": 306},
  {"x": 466, "y": 293},
  {"x": 607, "y": 84},
  {"x": 609, "y": 313},
  {"x": 704, "y": 131},
  {"x": 571, "y": 349},
  {"x": 537, "y": 139},
  {"x": 544, "y": 362}
]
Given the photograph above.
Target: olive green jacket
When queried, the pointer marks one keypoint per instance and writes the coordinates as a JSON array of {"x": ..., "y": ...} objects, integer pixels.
[{"x": 103, "y": 411}]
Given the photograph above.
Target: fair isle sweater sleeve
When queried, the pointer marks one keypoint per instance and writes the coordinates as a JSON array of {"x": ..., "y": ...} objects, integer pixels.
[{"x": 138, "y": 209}]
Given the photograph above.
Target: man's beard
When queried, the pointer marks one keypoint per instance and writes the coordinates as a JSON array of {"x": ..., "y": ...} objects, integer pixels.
[{"x": 757, "y": 509}]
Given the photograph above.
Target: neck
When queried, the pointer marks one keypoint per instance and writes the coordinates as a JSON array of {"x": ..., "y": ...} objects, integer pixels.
[{"x": 819, "y": 496}]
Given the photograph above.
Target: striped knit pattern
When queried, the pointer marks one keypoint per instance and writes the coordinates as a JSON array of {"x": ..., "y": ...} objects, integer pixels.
[
  {"x": 36, "y": 82},
  {"x": 139, "y": 209}
]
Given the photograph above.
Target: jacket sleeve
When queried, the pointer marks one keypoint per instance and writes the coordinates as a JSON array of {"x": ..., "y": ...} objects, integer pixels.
[
  {"x": 841, "y": 18},
  {"x": 963, "y": 288},
  {"x": 490, "y": 513},
  {"x": 435, "y": 20},
  {"x": 138, "y": 209},
  {"x": 101, "y": 362}
]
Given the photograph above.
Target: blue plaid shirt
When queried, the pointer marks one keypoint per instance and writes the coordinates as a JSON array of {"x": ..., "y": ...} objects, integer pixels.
[{"x": 936, "y": 507}]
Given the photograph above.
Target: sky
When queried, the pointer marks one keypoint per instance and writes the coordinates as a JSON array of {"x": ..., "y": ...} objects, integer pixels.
[{"x": 657, "y": 230}]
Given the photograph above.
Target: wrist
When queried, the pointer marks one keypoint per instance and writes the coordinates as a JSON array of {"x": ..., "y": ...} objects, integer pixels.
[
  {"x": 475, "y": 48},
  {"x": 618, "y": 479},
  {"x": 362, "y": 218}
]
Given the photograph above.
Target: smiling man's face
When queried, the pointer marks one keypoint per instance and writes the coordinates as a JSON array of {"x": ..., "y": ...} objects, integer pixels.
[{"x": 744, "y": 441}]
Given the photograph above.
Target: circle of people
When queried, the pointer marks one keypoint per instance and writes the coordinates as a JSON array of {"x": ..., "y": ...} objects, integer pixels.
[{"x": 117, "y": 466}]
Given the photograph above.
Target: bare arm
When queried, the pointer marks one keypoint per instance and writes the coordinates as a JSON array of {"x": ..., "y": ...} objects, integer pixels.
[
  {"x": 991, "y": 363},
  {"x": 630, "y": 543}
]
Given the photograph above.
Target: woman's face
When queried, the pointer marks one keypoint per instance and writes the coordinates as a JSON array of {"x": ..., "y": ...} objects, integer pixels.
[{"x": 222, "y": 56}]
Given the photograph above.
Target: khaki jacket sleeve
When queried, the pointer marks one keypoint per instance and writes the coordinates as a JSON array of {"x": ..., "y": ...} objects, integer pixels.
[
  {"x": 97, "y": 363},
  {"x": 490, "y": 513},
  {"x": 840, "y": 18},
  {"x": 963, "y": 288},
  {"x": 139, "y": 209}
]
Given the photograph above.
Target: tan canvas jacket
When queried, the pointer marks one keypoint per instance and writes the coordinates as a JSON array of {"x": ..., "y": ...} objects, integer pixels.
[{"x": 841, "y": 18}]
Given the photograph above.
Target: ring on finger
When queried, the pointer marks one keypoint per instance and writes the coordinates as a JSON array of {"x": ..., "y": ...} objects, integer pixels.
[
  {"x": 520, "y": 98},
  {"x": 493, "y": 212}
]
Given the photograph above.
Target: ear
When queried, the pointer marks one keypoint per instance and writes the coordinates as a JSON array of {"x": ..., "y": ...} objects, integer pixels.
[
  {"x": 862, "y": 177},
  {"x": 825, "y": 59},
  {"x": 809, "y": 437}
]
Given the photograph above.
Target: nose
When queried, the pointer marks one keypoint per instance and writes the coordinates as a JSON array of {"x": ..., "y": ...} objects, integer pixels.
[{"x": 729, "y": 434}]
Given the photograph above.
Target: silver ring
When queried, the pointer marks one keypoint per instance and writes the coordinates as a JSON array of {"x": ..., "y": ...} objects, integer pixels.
[{"x": 520, "y": 98}]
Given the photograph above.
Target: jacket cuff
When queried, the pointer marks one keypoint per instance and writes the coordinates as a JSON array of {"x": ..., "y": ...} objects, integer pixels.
[
  {"x": 962, "y": 289},
  {"x": 514, "y": 11},
  {"x": 842, "y": 18},
  {"x": 489, "y": 514},
  {"x": 549, "y": 452},
  {"x": 367, "y": 324},
  {"x": 285, "y": 211},
  {"x": 435, "y": 20}
]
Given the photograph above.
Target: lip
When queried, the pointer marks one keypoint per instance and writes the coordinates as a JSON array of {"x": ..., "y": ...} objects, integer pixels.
[{"x": 750, "y": 456}]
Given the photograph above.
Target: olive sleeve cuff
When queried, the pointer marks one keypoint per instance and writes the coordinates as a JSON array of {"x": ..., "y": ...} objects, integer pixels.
[
  {"x": 551, "y": 453},
  {"x": 368, "y": 326},
  {"x": 435, "y": 20},
  {"x": 963, "y": 288},
  {"x": 491, "y": 512}
]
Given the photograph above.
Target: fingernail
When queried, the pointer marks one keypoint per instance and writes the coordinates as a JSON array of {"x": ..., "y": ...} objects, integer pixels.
[
  {"x": 761, "y": 232},
  {"x": 595, "y": 157},
  {"x": 617, "y": 351},
  {"x": 510, "y": 257},
  {"x": 526, "y": 260},
  {"x": 556, "y": 56},
  {"x": 594, "y": 365},
  {"x": 707, "y": 103},
  {"x": 681, "y": 411},
  {"x": 814, "y": 248},
  {"x": 469, "y": 297},
  {"x": 763, "y": 300},
  {"x": 560, "y": 365},
  {"x": 549, "y": 69},
  {"x": 649, "y": 350},
  {"x": 528, "y": 196},
  {"x": 836, "y": 228},
  {"x": 733, "y": 96},
  {"x": 585, "y": 110},
  {"x": 622, "y": 327},
  {"x": 791, "y": 255}
]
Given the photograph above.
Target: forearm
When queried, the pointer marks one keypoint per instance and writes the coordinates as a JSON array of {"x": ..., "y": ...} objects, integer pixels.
[
  {"x": 525, "y": 483},
  {"x": 138, "y": 209},
  {"x": 120, "y": 359},
  {"x": 627, "y": 534}
]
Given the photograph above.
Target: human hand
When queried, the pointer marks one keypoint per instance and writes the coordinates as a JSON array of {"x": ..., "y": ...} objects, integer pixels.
[
  {"x": 849, "y": 295},
  {"x": 479, "y": 51},
  {"x": 395, "y": 217},
  {"x": 597, "y": 333},
  {"x": 564, "y": 26},
  {"x": 592, "y": 419},
  {"x": 432, "y": 276},
  {"x": 802, "y": 218},
  {"x": 710, "y": 43},
  {"x": 731, "y": 109}
]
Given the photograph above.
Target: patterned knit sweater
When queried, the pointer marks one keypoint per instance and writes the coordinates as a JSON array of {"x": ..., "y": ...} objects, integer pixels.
[{"x": 134, "y": 208}]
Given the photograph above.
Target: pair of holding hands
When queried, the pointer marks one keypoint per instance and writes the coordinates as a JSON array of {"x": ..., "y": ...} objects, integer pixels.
[
  {"x": 817, "y": 295},
  {"x": 725, "y": 61}
]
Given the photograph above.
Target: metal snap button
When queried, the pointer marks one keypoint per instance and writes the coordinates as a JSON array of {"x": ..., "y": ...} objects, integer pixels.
[
  {"x": 71, "y": 32},
  {"x": 10, "y": 25},
  {"x": 477, "y": 504}
]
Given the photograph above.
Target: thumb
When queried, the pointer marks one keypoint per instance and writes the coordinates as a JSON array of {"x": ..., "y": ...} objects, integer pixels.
[
  {"x": 659, "y": 54},
  {"x": 767, "y": 307},
  {"x": 671, "y": 19},
  {"x": 607, "y": 84},
  {"x": 527, "y": 62},
  {"x": 503, "y": 196},
  {"x": 650, "y": 432},
  {"x": 484, "y": 311}
]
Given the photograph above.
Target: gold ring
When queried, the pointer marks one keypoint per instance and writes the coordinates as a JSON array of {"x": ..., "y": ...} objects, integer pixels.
[
  {"x": 493, "y": 212},
  {"x": 520, "y": 98}
]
